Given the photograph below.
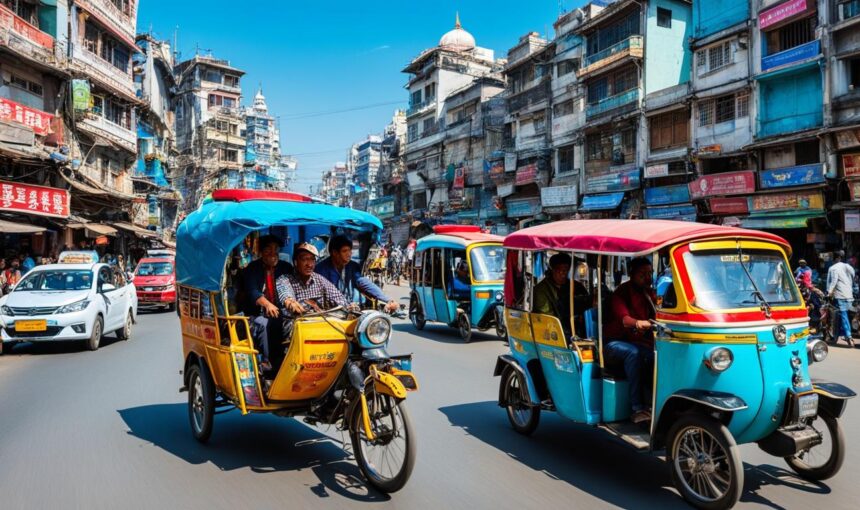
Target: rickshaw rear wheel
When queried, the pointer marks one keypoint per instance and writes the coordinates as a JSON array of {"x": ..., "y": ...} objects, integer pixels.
[
  {"x": 523, "y": 416},
  {"x": 464, "y": 326},
  {"x": 201, "y": 401},
  {"x": 705, "y": 462},
  {"x": 805, "y": 466},
  {"x": 385, "y": 411},
  {"x": 415, "y": 314}
]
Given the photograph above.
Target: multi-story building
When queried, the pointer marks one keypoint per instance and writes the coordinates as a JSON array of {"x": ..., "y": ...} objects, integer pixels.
[
  {"x": 364, "y": 164},
  {"x": 263, "y": 150},
  {"x": 210, "y": 129},
  {"x": 335, "y": 182},
  {"x": 434, "y": 74},
  {"x": 392, "y": 203}
]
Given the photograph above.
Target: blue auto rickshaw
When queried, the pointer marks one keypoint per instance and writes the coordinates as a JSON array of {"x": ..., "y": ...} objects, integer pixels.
[
  {"x": 731, "y": 350},
  {"x": 456, "y": 278}
]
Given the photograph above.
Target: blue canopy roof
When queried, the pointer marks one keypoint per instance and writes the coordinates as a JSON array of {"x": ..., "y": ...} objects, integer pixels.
[{"x": 206, "y": 237}]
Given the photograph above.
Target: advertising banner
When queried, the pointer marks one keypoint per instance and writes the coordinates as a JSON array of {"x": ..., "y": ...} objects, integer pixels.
[
  {"x": 652, "y": 171},
  {"x": 495, "y": 169},
  {"x": 727, "y": 183},
  {"x": 672, "y": 212},
  {"x": 37, "y": 120},
  {"x": 559, "y": 195},
  {"x": 798, "y": 201},
  {"x": 663, "y": 195},
  {"x": 38, "y": 200},
  {"x": 852, "y": 220},
  {"x": 851, "y": 165},
  {"x": 510, "y": 161},
  {"x": 526, "y": 174},
  {"x": 81, "y": 95},
  {"x": 616, "y": 181},
  {"x": 504, "y": 190},
  {"x": 520, "y": 207},
  {"x": 780, "y": 12},
  {"x": 10, "y": 21},
  {"x": 459, "y": 177},
  {"x": 729, "y": 205},
  {"x": 794, "y": 55},
  {"x": 792, "y": 176},
  {"x": 602, "y": 202}
]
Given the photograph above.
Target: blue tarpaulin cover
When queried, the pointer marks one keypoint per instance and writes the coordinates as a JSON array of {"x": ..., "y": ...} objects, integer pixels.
[{"x": 206, "y": 237}]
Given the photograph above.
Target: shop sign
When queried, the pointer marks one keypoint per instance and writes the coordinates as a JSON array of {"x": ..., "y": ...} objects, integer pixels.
[
  {"x": 602, "y": 202},
  {"x": 617, "y": 181},
  {"x": 792, "y": 176},
  {"x": 729, "y": 205},
  {"x": 10, "y": 21},
  {"x": 37, "y": 120},
  {"x": 504, "y": 190},
  {"x": 559, "y": 195},
  {"x": 852, "y": 220},
  {"x": 710, "y": 149},
  {"x": 38, "y": 200},
  {"x": 728, "y": 183},
  {"x": 382, "y": 207},
  {"x": 780, "y": 13},
  {"x": 652, "y": 171},
  {"x": 794, "y": 55},
  {"x": 855, "y": 190},
  {"x": 81, "y": 95},
  {"x": 786, "y": 222},
  {"x": 510, "y": 161},
  {"x": 495, "y": 169},
  {"x": 526, "y": 174},
  {"x": 851, "y": 165},
  {"x": 799, "y": 201},
  {"x": 663, "y": 195},
  {"x": 520, "y": 207},
  {"x": 848, "y": 138},
  {"x": 685, "y": 212},
  {"x": 459, "y": 177}
]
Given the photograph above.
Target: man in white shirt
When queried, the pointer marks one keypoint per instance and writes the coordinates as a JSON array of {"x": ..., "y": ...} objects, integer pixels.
[{"x": 840, "y": 286}]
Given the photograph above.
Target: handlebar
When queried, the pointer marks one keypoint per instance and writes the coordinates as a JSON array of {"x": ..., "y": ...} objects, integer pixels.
[{"x": 657, "y": 326}]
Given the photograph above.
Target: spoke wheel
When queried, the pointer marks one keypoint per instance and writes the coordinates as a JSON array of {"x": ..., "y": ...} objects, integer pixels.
[
  {"x": 705, "y": 463},
  {"x": 388, "y": 459},
  {"x": 823, "y": 460},
  {"x": 523, "y": 416},
  {"x": 201, "y": 401},
  {"x": 416, "y": 315},
  {"x": 464, "y": 326}
]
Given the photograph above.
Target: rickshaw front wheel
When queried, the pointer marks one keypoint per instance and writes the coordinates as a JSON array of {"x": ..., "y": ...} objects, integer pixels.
[
  {"x": 464, "y": 326},
  {"x": 201, "y": 401},
  {"x": 705, "y": 462},
  {"x": 416, "y": 315},
  {"x": 523, "y": 416},
  {"x": 817, "y": 463}
]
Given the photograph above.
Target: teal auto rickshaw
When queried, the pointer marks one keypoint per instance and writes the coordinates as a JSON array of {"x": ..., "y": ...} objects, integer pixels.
[
  {"x": 456, "y": 276},
  {"x": 725, "y": 362}
]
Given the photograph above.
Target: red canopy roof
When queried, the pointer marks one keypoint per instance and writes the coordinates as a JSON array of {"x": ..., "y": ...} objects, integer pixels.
[
  {"x": 624, "y": 237},
  {"x": 241, "y": 195}
]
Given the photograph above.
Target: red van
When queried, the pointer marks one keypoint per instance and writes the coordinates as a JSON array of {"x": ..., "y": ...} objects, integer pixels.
[{"x": 155, "y": 280}]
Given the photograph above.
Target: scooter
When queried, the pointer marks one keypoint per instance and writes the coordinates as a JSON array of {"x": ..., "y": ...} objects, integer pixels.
[{"x": 829, "y": 321}]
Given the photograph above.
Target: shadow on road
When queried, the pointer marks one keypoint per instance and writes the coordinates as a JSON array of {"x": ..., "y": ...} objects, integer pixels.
[
  {"x": 438, "y": 332},
  {"x": 59, "y": 347},
  {"x": 598, "y": 464},
  {"x": 263, "y": 443}
]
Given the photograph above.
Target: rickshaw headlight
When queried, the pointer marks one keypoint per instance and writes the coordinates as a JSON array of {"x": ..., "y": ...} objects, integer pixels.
[
  {"x": 779, "y": 334},
  {"x": 816, "y": 351},
  {"x": 499, "y": 296},
  {"x": 719, "y": 359},
  {"x": 373, "y": 328}
]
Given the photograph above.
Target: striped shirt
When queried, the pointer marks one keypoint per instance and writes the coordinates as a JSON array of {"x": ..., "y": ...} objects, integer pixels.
[{"x": 317, "y": 289}]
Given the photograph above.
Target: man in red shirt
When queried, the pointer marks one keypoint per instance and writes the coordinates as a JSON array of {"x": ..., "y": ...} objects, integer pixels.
[{"x": 628, "y": 338}]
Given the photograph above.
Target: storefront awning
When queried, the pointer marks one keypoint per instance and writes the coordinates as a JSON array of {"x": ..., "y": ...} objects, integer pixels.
[
  {"x": 10, "y": 227},
  {"x": 100, "y": 229},
  {"x": 134, "y": 229},
  {"x": 785, "y": 139}
]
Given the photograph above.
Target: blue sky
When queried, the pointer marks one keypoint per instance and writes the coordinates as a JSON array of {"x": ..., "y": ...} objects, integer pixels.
[{"x": 314, "y": 57}]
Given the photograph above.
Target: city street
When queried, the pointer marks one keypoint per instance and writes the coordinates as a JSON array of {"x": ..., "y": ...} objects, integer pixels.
[{"x": 108, "y": 429}]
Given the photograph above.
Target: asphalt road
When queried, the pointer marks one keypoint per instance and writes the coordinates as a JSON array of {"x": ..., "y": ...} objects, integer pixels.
[{"x": 108, "y": 429}]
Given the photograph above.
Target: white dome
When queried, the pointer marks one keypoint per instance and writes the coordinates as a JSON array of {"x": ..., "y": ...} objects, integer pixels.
[
  {"x": 457, "y": 39},
  {"x": 260, "y": 101}
]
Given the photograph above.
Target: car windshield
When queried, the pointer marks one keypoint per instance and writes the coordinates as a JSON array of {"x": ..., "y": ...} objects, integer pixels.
[
  {"x": 57, "y": 279},
  {"x": 488, "y": 263},
  {"x": 155, "y": 269},
  {"x": 720, "y": 283}
]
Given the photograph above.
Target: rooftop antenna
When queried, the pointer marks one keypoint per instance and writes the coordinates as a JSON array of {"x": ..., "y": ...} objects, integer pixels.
[{"x": 176, "y": 43}]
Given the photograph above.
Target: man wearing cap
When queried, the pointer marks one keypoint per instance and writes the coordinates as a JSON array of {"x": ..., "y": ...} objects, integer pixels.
[
  {"x": 840, "y": 286},
  {"x": 304, "y": 290},
  {"x": 261, "y": 297},
  {"x": 345, "y": 274},
  {"x": 803, "y": 275}
]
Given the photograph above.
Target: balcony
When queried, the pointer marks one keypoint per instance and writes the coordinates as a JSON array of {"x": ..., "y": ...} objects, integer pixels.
[
  {"x": 791, "y": 56},
  {"x": 602, "y": 60},
  {"x": 103, "y": 71},
  {"x": 848, "y": 10},
  {"x": 114, "y": 133},
  {"x": 628, "y": 100},
  {"x": 421, "y": 107},
  {"x": 26, "y": 39},
  {"x": 124, "y": 22}
]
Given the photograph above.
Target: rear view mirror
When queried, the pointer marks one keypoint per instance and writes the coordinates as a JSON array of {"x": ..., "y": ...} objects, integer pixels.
[{"x": 107, "y": 287}]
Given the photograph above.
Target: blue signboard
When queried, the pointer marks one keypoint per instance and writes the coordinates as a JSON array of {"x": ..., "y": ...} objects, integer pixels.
[
  {"x": 684, "y": 212},
  {"x": 792, "y": 176},
  {"x": 616, "y": 181},
  {"x": 791, "y": 56},
  {"x": 602, "y": 202},
  {"x": 663, "y": 195},
  {"x": 523, "y": 207}
]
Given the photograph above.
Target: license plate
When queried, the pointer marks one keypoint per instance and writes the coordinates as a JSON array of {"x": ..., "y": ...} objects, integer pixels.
[
  {"x": 148, "y": 289},
  {"x": 808, "y": 405},
  {"x": 40, "y": 325}
]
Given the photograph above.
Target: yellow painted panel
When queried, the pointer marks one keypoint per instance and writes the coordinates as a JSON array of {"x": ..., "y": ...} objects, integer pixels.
[
  {"x": 732, "y": 244},
  {"x": 518, "y": 326},
  {"x": 547, "y": 330},
  {"x": 714, "y": 338}
]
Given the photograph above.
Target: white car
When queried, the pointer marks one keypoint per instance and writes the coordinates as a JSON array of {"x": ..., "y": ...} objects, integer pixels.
[{"x": 59, "y": 302}]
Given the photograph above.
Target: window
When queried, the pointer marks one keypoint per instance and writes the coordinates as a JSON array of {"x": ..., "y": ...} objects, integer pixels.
[
  {"x": 218, "y": 100},
  {"x": 848, "y": 9},
  {"x": 611, "y": 85},
  {"x": 743, "y": 106},
  {"x": 607, "y": 36},
  {"x": 416, "y": 98},
  {"x": 412, "y": 132},
  {"x": 714, "y": 58},
  {"x": 429, "y": 125},
  {"x": 669, "y": 130},
  {"x": 123, "y": 5},
  {"x": 231, "y": 81},
  {"x": 664, "y": 17},
  {"x": 565, "y": 159},
  {"x": 724, "y": 109},
  {"x": 539, "y": 124},
  {"x": 229, "y": 155},
  {"x": 854, "y": 73},
  {"x": 794, "y": 34},
  {"x": 212, "y": 75},
  {"x": 35, "y": 88},
  {"x": 91, "y": 38},
  {"x": 222, "y": 126},
  {"x": 419, "y": 200},
  {"x": 107, "y": 47},
  {"x": 598, "y": 146},
  {"x": 567, "y": 66},
  {"x": 24, "y": 10},
  {"x": 564, "y": 108},
  {"x": 430, "y": 91}
]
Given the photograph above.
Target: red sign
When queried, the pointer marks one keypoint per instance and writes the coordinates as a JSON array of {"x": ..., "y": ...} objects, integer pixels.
[
  {"x": 10, "y": 21},
  {"x": 781, "y": 12},
  {"x": 851, "y": 164},
  {"x": 734, "y": 205},
  {"x": 460, "y": 177},
  {"x": 38, "y": 200},
  {"x": 526, "y": 174},
  {"x": 37, "y": 120},
  {"x": 728, "y": 183}
]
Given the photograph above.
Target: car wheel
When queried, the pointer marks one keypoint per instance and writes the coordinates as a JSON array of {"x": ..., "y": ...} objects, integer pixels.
[
  {"x": 96, "y": 335},
  {"x": 125, "y": 332}
]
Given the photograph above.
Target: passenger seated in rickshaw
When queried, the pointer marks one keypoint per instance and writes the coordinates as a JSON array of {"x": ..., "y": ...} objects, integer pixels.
[
  {"x": 552, "y": 294},
  {"x": 345, "y": 274},
  {"x": 261, "y": 298},
  {"x": 629, "y": 338},
  {"x": 460, "y": 287}
]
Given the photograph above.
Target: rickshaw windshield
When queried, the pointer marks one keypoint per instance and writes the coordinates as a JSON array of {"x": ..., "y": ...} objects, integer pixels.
[
  {"x": 488, "y": 263},
  {"x": 720, "y": 282}
]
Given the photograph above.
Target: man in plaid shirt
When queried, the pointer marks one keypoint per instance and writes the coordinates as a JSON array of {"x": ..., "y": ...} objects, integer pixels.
[{"x": 304, "y": 290}]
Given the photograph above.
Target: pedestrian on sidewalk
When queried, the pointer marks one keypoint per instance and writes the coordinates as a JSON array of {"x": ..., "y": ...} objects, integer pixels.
[{"x": 840, "y": 286}]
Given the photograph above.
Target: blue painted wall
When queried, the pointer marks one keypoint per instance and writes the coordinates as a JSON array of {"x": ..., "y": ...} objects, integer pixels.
[
  {"x": 790, "y": 102},
  {"x": 667, "y": 54},
  {"x": 709, "y": 17}
]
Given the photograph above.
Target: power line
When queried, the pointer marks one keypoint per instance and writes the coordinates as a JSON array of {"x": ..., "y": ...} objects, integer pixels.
[{"x": 294, "y": 116}]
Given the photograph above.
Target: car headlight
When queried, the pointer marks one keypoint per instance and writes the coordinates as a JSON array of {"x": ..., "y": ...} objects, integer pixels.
[
  {"x": 5, "y": 310},
  {"x": 373, "y": 328},
  {"x": 719, "y": 359},
  {"x": 499, "y": 296},
  {"x": 816, "y": 351},
  {"x": 77, "y": 306}
]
